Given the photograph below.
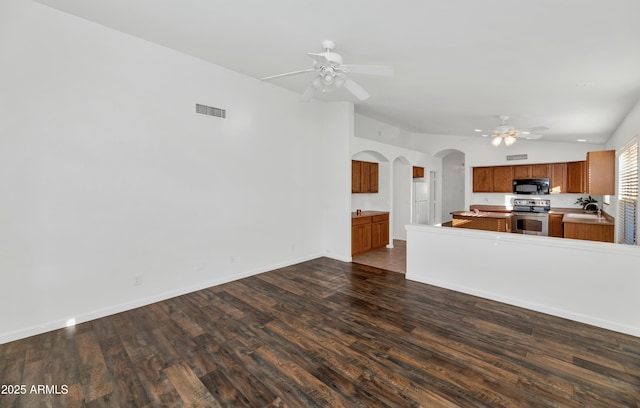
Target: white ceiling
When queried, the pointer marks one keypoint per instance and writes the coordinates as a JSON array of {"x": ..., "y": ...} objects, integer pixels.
[{"x": 570, "y": 65}]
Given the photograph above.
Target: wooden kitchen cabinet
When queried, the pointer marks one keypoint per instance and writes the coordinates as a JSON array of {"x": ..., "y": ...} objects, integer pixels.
[
  {"x": 558, "y": 178},
  {"x": 379, "y": 231},
  {"x": 502, "y": 179},
  {"x": 541, "y": 170},
  {"x": 601, "y": 168},
  {"x": 356, "y": 169},
  {"x": 364, "y": 177},
  {"x": 589, "y": 232},
  {"x": 360, "y": 235},
  {"x": 555, "y": 225},
  {"x": 595, "y": 176},
  {"x": 482, "y": 179},
  {"x": 522, "y": 171},
  {"x": 373, "y": 177},
  {"x": 576, "y": 177},
  {"x": 418, "y": 172},
  {"x": 369, "y": 232}
]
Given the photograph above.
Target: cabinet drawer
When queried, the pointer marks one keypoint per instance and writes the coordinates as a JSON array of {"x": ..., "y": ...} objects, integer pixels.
[
  {"x": 360, "y": 221},
  {"x": 381, "y": 217}
]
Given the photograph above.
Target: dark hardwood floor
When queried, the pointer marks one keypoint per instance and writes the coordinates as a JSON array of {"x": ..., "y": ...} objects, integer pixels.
[{"x": 326, "y": 334}]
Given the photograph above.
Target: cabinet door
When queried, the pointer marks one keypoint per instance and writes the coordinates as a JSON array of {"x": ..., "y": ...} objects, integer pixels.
[
  {"x": 522, "y": 171},
  {"x": 376, "y": 234},
  {"x": 576, "y": 177},
  {"x": 365, "y": 178},
  {"x": 601, "y": 167},
  {"x": 502, "y": 179},
  {"x": 356, "y": 169},
  {"x": 380, "y": 231},
  {"x": 558, "y": 178},
  {"x": 418, "y": 172},
  {"x": 373, "y": 177},
  {"x": 555, "y": 225},
  {"x": 360, "y": 238},
  {"x": 482, "y": 179},
  {"x": 540, "y": 171}
]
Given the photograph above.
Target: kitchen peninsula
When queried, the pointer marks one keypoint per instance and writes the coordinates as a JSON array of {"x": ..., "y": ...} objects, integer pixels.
[
  {"x": 571, "y": 223},
  {"x": 483, "y": 220}
]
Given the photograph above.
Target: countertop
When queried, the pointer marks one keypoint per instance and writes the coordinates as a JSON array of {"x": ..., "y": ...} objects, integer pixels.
[
  {"x": 368, "y": 214},
  {"x": 490, "y": 208},
  {"x": 606, "y": 219},
  {"x": 481, "y": 214},
  {"x": 500, "y": 211}
]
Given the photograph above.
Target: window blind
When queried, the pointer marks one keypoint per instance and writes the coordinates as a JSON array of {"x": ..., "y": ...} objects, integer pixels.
[{"x": 628, "y": 194}]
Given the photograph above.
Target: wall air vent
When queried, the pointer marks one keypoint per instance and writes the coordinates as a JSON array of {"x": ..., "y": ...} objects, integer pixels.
[
  {"x": 211, "y": 111},
  {"x": 517, "y": 157}
]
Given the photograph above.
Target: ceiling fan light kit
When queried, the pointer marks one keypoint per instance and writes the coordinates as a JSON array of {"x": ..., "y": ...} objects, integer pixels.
[
  {"x": 509, "y": 134},
  {"x": 332, "y": 73}
]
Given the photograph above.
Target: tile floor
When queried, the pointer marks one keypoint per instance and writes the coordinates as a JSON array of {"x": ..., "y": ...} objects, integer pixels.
[{"x": 394, "y": 259}]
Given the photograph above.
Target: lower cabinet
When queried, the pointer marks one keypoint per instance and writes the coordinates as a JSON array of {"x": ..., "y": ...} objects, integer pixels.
[
  {"x": 369, "y": 232},
  {"x": 360, "y": 235},
  {"x": 590, "y": 232},
  {"x": 555, "y": 225},
  {"x": 379, "y": 231}
]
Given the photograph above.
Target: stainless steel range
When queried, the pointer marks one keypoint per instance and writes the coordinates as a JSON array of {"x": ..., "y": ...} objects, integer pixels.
[{"x": 530, "y": 216}]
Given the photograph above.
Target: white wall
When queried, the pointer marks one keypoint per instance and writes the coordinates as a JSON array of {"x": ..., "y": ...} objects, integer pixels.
[
  {"x": 453, "y": 192},
  {"x": 590, "y": 282},
  {"x": 478, "y": 152},
  {"x": 365, "y": 140},
  {"x": 628, "y": 129},
  {"x": 402, "y": 193},
  {"x": 109, "y": 175},
  {"x": 337, "y": 126}
]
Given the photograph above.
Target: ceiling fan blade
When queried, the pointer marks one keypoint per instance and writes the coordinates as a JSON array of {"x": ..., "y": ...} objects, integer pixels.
[
  {"x": 320, "y": 59},
  {"x": 308, "y": 93},
  {"x": 355, "y": 89},
  {"x": 287, "y": 74},
  {"x": 530, "y": 136},
  {"x": 380, "y": 70}
]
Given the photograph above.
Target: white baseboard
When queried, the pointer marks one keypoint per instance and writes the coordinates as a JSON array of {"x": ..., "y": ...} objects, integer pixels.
[
  {"x": 122, "y": 307},
  {"x": 605, "y": 324}
]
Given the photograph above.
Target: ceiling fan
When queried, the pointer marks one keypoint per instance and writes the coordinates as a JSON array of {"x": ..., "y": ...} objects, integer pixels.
[
  {"x": 332, "y": 73},
  {"x": 509, "y": 134}
]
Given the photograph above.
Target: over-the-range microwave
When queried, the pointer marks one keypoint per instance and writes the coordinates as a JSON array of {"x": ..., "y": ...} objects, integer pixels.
[{"x": 531, "y": 186}]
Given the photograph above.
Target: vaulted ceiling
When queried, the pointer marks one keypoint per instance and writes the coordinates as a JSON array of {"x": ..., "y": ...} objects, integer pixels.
[{"x": 572, "y": 66}]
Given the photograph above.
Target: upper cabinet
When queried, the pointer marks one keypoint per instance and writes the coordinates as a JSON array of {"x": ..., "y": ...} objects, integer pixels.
[
  {"x": 541, "y": 171},
  {"x": 522, "y": 171},
  {"x": 483, "y": 179},
  {"x": 503, "y": 179},
  {"x": 595, "y": 176},
  {"x": 558, "y": 178},
  {"x": 601, "y": 169},
  {"x": 418, "y": 172},
  {"x": 364, "y": 177},
  {"x": 576, "y": 177}
]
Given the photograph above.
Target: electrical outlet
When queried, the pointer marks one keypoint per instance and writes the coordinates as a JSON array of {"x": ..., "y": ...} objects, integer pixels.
[
  {"x": 137, "y": 281},
  {"x": 232, "y": 259}
]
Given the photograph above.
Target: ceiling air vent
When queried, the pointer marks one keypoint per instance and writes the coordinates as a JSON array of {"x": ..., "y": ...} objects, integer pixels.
[
  {"x": 211, "y": 111},
  {"x": 517, "y": 157}
]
